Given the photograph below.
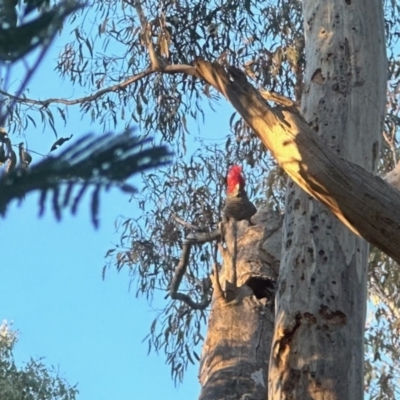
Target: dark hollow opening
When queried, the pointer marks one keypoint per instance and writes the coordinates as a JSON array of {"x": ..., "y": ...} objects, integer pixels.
[{"x": 261, "y": 287}]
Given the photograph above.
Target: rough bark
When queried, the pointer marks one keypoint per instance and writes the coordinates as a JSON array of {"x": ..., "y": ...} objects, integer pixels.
[
  {"x": 318, "y": 340},
  {"x": 235, "y": 356},
  {"x": 349, "y": 191}
]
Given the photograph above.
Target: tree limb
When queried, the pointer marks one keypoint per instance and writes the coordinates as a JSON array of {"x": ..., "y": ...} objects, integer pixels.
[
  {"x": 169, "y": 69},
  {"x": 176, "y": 281},
  {"x": 203, "y": 237},
  {"x": 365, "y": 203},
  {"x": 186, "y": 224},
  {"x": 180, "y": 269},
  {"x": 277, "y": 98}
]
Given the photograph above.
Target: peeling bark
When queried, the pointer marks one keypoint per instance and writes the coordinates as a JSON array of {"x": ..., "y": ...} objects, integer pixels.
[
  {"x": 235, "y": 356},
  {"x": 318, "y": 350},
  {"x": 348, "y": 190}
]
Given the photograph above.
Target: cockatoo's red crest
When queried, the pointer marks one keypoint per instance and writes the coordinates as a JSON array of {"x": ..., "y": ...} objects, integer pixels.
[{"x": 235, "y": 178}]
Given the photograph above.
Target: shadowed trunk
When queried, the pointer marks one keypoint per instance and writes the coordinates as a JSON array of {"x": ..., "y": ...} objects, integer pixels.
[
  {"x": 235, "y": 354},
  {"x": 318, "y": 341}
]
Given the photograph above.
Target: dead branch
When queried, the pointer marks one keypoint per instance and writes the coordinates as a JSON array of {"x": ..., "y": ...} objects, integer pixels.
[{"x": 186, "y": 224}]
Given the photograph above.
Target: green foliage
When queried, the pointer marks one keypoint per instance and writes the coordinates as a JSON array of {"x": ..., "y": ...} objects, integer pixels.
[
  {"x": 150, "y": 246},
  {"x": 183, "y": 32},
  {"x": 98, "y": 162},
  {"x": 33, "y": 381},
  {"x": 17, "y": 41},
  {"x": 110, "y": 61},
  {"x": 382, "y": 338}
]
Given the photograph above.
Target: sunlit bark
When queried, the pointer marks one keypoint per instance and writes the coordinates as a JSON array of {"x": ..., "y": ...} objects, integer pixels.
[
  {"x": 235, "y": 356},
  {"x": 318, "y": 348}
]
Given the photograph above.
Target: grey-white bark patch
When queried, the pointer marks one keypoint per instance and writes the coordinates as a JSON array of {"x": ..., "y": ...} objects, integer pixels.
[
  {"x": 347, "y": 244},
  {"x": 258, "y": 377},
  {"x": 321, "y": 296}
]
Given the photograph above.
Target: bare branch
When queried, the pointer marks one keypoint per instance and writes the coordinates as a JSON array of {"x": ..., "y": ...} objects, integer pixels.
[
  {"x": 170, "y": 69},
  {"x": 180, "y": 270},
  {"x": 140, "y": 13},
  {"x": 277, "y": 98},
  {"x": 203, "y": 237},
  {"x": 156, "y": 62},
  {"x": 186, "y": 224},
  {"x": 176, "y": 280}
]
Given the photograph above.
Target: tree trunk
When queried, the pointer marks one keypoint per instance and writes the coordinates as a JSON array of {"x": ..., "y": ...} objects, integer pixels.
[
  {"x": 235, "y": 356},
  {"x": 321, "y": 299},
  {"x": 349, "y": 191}
]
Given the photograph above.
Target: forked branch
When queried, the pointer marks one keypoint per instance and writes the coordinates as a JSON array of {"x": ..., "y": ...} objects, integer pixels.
[{"x": 180, "y": 269}]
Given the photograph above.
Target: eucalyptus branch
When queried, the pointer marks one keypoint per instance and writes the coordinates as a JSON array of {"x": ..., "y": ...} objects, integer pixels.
[
  {"x": 278, "y": 98},
  {"x": 216, "y": 284},
  {"x": 180, "y": 270},
  {"x": 186, "y": 224},
  {"x": 170, "y": 69},
  {"x": 203, "y": 237},
  {"x": 176, "y": 280},
  {"x": 140, "y": 13}
]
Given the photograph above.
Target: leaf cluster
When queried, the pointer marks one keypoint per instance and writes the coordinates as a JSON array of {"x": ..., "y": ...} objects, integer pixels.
[
  {"x": 34, "y": 381},
  {"x": 382, "y": 376},
  {"x": 264, "y": 39},
  {"x": 92, "y": 161},
  {"x": 234, "y": 32},
  {"x": 17, "y": 40}
]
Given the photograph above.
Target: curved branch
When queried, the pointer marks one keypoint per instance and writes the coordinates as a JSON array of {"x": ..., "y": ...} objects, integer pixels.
[
  {"x": 203, "y": 237},
  {"x": 169, "y": 69},
  {"x": 277, "y": 98},
  {"x": 180, "y": 270},
  {"x": 156, "y": 62},
  {"x": 186, "y": 224},
  {"x": 365, "y": 203},
  {"x": 176, "y": 281}
]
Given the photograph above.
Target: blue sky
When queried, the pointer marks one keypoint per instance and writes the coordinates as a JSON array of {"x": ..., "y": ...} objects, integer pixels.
[
  {"x": 51, "y": 287},
  {"x": 51, "y": 284}
]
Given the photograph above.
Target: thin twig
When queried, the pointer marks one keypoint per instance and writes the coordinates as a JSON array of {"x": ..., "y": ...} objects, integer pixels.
[
  {"x": 170, "y": 69},
  {"x": 186, "y": 224}
]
